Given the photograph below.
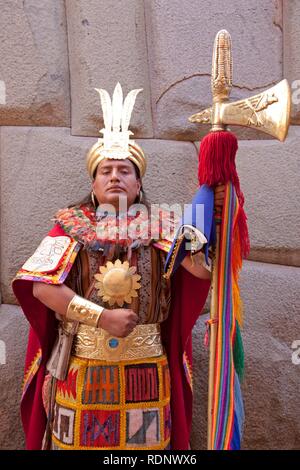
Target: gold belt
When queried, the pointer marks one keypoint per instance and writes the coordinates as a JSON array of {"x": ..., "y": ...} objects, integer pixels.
[{"x": 95, "y": 343}]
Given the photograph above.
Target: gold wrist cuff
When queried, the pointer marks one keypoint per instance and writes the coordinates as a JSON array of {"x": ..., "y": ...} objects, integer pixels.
[{"x": 84, "y": 311}]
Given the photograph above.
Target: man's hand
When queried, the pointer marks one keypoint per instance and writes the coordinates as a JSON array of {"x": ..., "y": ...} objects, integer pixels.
[
  {"x": 118, "y": 322},
  {"x": 219, "y": 197}
]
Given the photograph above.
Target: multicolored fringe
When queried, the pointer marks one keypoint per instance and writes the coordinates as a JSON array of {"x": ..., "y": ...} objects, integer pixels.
[
  {"x": 31, "y": 371},
  {"x": 228, "y": 412}
]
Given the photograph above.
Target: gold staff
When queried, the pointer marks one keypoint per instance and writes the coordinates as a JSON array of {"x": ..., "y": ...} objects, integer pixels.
[{"x": 268, "y": 112}]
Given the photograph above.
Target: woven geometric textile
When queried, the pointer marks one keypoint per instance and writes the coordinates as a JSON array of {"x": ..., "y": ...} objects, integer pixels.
[{"x": 109, "y": 406}]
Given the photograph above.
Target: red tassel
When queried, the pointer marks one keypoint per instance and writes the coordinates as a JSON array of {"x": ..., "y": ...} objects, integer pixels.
[
  {"x": 217, "y": 158},
  {"x": 244, "y": 234},
  {"x": 217, "y": 166}
]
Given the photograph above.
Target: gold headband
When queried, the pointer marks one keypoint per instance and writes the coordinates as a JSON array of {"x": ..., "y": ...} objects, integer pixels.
[{"x": 95, "y": 156}]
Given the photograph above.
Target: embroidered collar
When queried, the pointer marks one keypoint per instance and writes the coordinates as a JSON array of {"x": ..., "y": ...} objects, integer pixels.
[{"x": 97, "y": 230}]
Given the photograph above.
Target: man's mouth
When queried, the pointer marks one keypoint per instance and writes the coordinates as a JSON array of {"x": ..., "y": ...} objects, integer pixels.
[{"x": 115, "y": 188}]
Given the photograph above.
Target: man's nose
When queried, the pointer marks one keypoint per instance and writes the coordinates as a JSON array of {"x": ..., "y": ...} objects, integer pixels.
[{"x": 114, "y": 175}]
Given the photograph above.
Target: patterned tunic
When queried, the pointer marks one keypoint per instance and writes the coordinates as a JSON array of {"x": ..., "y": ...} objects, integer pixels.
[{"x": 105, "y": 404}]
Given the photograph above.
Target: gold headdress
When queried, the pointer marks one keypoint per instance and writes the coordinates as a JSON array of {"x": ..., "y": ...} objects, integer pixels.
[{"x": 116, "y": 143}]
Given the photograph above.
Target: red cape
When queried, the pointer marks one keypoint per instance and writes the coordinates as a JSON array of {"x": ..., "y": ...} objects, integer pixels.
[
  {"x": 176, "y": 333},
  {"x": 188, "y": 298},
  {"x": 42, "y": 334}
]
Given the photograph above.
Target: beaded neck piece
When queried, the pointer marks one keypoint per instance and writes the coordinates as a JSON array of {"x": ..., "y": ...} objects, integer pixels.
[{"x": 98, "y": 230}]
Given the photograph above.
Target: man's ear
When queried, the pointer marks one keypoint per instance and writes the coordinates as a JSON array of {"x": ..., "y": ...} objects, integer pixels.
[{"x": 139, "y": 183}]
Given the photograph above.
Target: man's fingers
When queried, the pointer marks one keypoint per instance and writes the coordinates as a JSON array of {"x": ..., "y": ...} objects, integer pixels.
[
  {"x": 131, "y": 327},
  {"x": 132, "y": 314},
  {"x": 134, "y": 319}
]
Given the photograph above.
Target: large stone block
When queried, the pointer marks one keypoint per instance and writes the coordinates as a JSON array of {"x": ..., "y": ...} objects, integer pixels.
[
  {"x": 42, "y": 170},
  {"x": 107, "y": 44},
  {"x": 291, "y": 42},
  {"x": 272, "y": 380},
  {"x": 34, "y": 63},
  {"x": 171, "y": 176},
  {"x": 13, "y": 334},
  {"x": 269, "y": 178},
  {"x": 180, "y": 43}
]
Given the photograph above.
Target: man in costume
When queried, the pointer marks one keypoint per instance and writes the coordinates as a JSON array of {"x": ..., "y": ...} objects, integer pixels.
[{"x": 109, "y": 352}]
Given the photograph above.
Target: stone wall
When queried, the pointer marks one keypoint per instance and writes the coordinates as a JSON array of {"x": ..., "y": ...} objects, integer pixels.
[{"x": 52, "y": 56}]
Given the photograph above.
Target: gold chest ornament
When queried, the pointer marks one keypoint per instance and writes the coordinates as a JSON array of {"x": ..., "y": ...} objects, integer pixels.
[{"x": 117, "y": 282}]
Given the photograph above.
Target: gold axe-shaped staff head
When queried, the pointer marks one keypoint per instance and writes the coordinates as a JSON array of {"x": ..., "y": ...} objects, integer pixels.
[{"x": 267, "y": 112}]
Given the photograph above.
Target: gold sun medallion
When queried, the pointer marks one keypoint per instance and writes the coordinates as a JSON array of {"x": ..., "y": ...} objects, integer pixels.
[{"x": 117, "y": 282}]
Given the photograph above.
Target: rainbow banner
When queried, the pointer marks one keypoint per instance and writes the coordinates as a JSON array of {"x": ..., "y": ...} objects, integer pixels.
[{"x": 228, "y": 411}]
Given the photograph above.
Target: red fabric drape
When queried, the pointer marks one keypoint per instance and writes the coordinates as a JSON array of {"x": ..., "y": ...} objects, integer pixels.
[{"x": 188, "y": 298}]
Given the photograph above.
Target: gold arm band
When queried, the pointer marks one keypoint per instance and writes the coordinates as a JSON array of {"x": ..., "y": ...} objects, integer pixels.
[{"x": 84, "y": 311}]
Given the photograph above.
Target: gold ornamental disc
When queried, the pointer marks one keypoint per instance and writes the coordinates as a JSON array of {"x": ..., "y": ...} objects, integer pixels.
[{"x": 117, "y": 282}]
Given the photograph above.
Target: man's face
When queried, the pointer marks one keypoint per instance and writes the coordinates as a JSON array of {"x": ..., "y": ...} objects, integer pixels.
[{"x": 116, "y": 179}]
